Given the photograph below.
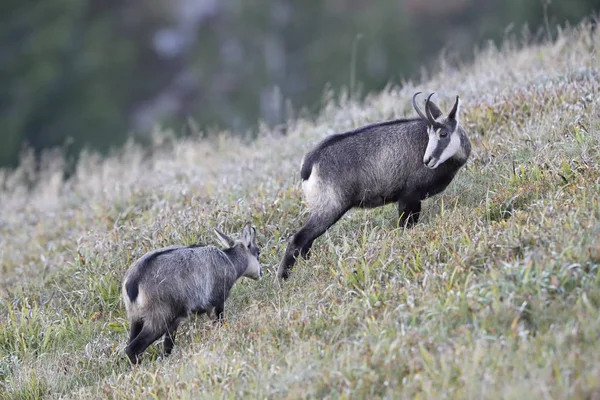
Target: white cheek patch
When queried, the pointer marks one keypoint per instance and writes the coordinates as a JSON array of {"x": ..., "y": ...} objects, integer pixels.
[
  {"x": 450, "y": 150},
  {"x": 431, "y": 146},
  {"x": 253, "y": 269}
]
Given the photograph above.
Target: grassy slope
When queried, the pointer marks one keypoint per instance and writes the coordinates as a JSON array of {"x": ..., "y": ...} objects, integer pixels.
[{"x": 494, "y": 295}]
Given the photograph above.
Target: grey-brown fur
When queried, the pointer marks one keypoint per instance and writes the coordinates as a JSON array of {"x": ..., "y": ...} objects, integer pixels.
[
  {"x": 376, "y": 165},
  {"x": 165, "y": 286}
]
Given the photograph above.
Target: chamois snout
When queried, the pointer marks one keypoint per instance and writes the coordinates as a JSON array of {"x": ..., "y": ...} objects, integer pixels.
[
  {"x": 429, "y": 162},
  {"x": 250, "y": 248},
  {"x": 254, "y": 269}
]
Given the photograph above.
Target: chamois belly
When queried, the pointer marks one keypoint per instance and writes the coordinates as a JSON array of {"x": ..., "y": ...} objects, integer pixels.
[
  {"x": 377, "y": 197},
  {"x": 374, "y": 201}
]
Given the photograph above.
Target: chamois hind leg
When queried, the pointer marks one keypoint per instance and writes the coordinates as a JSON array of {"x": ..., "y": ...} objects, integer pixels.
[
  {"x": 409, "y": 212},
  {"x": 145, "y": 338},
  {"x": 305, "y": 251},
  {"x": 302, "y": 241}
]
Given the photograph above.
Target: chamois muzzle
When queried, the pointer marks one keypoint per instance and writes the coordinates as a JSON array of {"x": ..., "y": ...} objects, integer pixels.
[{"x": 430, "y": 162}]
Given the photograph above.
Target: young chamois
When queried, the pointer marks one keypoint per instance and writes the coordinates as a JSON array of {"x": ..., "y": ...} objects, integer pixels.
[
  {"x": 165, "y": 286},
  {"x": 402, "y": 161}
]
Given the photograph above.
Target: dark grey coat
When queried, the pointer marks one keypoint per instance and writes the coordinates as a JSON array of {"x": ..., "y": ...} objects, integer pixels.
[
  {"x": 402, "y": 161},
  {"x": 165, "y": 286}
]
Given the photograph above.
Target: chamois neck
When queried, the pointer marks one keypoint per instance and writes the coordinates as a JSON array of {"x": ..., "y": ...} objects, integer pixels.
[
  {"x": 462, "y": 155},
  {"x": 238, "y": 258}
]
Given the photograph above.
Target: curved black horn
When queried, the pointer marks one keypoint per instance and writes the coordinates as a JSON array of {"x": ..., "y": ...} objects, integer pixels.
[
  {"x": 452, "y": 114},
  {"x": 417, "y": 109},
  {"x": 429, "y": 116}
]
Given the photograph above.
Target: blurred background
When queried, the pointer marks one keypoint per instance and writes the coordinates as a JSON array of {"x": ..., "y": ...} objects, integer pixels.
[{"x": 92, "y": 73}]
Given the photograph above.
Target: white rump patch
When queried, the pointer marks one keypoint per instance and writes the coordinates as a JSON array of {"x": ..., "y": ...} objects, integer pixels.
[
  {"x": 316, "y": 193},
  {"x": 140, "y": 300}
]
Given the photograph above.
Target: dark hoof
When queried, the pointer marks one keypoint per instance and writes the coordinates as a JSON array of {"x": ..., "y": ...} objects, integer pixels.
[
  {"x": 283, "y": 274},
  {"x": 134, "y": 360}
]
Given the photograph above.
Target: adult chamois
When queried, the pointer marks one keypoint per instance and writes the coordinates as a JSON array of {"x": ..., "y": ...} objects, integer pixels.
[{"x": 402, "y": 161}]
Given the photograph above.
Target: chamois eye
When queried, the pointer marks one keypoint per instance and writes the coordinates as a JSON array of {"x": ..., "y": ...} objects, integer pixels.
[{"x": 443, "y": 134}]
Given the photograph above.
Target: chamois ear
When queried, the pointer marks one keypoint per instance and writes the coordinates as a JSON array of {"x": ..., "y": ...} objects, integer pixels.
[
  {"x": 248, "y": 235},
  {"x": 454, "y": 113},
  {"x": 225, "y": 240}
]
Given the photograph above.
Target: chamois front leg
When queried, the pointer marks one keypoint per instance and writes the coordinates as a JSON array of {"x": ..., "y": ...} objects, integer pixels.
[
  {"x": 219, "y": 317},
  {"x": 169, "y": 341},
  {"x": 301, "y": 242},
  {"x": 408, "y": 213}
]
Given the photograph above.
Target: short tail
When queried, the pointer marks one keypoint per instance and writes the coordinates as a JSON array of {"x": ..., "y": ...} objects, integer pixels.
[
  {"x": 307, "y": 166},
  {"x": 133, "y": 289}
]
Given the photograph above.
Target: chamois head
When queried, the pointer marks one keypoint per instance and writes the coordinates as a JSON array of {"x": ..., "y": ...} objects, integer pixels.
[
  {"x": 444, "y": 138},
  {"x": 248, "y": 244}
]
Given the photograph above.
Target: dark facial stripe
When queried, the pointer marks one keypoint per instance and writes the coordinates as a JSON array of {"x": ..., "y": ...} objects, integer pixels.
[{"x": 441, "y": 146}]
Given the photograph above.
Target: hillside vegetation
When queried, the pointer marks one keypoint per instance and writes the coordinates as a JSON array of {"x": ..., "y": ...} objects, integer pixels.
[
  {"x": 91, "y": 73},
  {"x": 494, "y": 294}
]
